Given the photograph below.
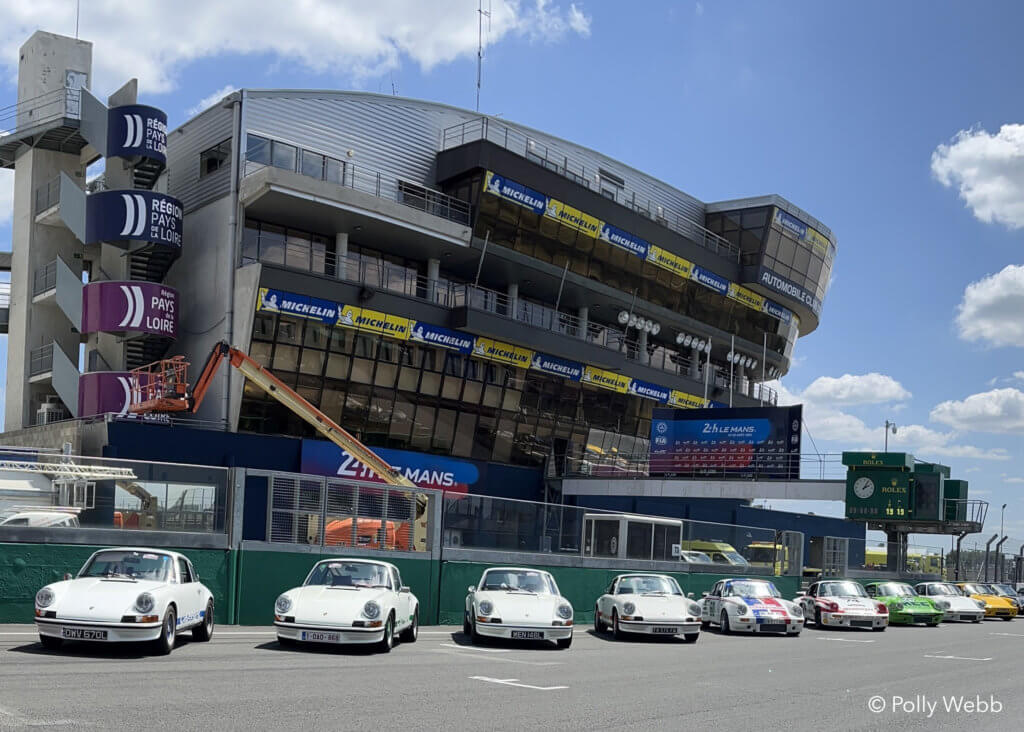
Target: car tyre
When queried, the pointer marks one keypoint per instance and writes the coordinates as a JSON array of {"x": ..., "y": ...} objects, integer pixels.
[
  {"x": 817, "y": 618},
  {"x": 473, "y": 635},
  {"x": 598, "y": 627},
  {"x": 50, "y": 643},
  {"x": 204, "y": 631},
  {"x": 705, "y": 624},
  {"x": 388, "y": 641},
  {"x": 467, "y": 629},
  {"x": 723, "y": 622},
  {"x": 410, "y": 634},
  {"x": 564, "y": 643},
  {"x": 691, "y": 637},
  {"x": 616, "y": 630},
  {"x": 1008, "y": 617},
  {"x": 165, "y": 643},
  {"x": 978, "y": 620},
  {"x": 880, "y": 630}
]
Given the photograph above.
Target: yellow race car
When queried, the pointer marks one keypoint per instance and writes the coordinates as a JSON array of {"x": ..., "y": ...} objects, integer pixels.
[{"x": 996, "y": 606}]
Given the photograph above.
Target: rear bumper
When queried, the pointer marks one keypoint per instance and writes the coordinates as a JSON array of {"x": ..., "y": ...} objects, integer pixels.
[
  {"x": 116, "y": 632},
  {"x": 500, "y": 630},
  {"x": 301, "y": 633},
  {"x": 682, "y": 627}
]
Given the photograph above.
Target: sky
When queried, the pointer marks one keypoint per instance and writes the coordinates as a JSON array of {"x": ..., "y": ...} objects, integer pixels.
[{"x": 898, "y": 125}]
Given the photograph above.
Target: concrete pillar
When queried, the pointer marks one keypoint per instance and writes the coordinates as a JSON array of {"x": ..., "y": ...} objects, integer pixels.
[
  {"x": 584, "y": 319},
  {"x": 513, "y": 300},
  {"x": 645, "y": 357},
  {"x": 433, "y": 272},
  {"x": 341, "y": 255},
  {"x": 695, "y": 360},
  {"x": 738, "y": 375}
]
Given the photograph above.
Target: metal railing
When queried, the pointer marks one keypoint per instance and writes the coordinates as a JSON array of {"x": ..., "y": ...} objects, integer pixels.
[
  {"x": 844, "y": 557},
  {"x": 47, "y": 195},
  {"x": 558, "y": 162},
  {"x": 413, "y": 195},
  {"x": 699, "y": 462},
  {"x": 45, "y": 278},
  {"x": 40, "y": 360},
  {"x": 5, "y": 295},
  {"x": 48, "y": 107}
]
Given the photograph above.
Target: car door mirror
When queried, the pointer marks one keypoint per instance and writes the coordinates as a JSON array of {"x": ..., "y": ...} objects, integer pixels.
[
  {"x": 471, "y": 588},
  {"x": 405, "y": 589},
  {"x": 67, "y": 575},
  {"x": 689, "y": 595},
  {"x": 703, "y": 594}
]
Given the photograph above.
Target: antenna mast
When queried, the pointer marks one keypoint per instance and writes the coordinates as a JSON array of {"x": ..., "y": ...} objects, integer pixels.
[{"x": 480, "y": 44}]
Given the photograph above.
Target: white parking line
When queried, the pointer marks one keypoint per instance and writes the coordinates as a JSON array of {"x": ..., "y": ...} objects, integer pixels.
[
  {"x": 493, "y": 659},
  {"x": 13, "y": 718},
  {"x": 515, "y": 682},
  {"x": 846, "y": 640},
  {"x": 475, "y": 649},
  {"x": 436, "y": 632},
  {"x": 956, "y": 658},
  {"x": 1014, "y": 635}
]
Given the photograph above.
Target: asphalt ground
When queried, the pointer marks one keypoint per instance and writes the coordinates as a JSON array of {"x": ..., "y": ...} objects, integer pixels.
[{"x": 242, "y": 679}]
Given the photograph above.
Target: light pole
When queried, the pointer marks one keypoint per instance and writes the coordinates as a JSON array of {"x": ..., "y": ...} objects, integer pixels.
[
  {"x": 1002, "y": 514},
  {"x": 889, "y": 425}
]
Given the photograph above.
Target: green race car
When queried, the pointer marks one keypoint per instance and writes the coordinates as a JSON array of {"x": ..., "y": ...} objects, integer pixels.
[{"x": 906, "y": 607}]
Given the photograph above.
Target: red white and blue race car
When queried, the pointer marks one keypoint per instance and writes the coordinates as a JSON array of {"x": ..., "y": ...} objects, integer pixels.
[
  {"x": 836, "y": 603},
  {"x": 750, "y": 606}
]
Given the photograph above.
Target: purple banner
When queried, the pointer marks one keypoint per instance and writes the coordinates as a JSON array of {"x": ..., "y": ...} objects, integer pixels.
[
  {"x": 100, "y": 392},
  {"x": 143, "y": 307}
]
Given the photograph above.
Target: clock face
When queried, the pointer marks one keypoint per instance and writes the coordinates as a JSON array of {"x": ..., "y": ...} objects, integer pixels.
[{"x": 863, "y": 487}]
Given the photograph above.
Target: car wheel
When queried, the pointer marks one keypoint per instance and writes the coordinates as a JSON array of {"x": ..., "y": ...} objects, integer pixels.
[
  {"x": 705, "y": 624},
  {"x": 880, "y": 630},
  {"x": 597, "y": 621},
  {"x": 691, "y": 637},
  {"x": 165, "y": 643},
  {"x": 50, "y": 643},
  {"x": 410, "y": 634},
  {"x": 388, "y": 641},
  {"x": 616, "y": 630},
  {"x": 204, "y": 631},
  {"x": 1007, "y": 617},
  {"x": 564, "y": 643},
  {"x": 467, "y": 629},
  {"x": 817, "y": 618},
  {"x": 723, "y": 622},
  {"x": 473, "y": 635},
  {"x": 978, "y": 620}
]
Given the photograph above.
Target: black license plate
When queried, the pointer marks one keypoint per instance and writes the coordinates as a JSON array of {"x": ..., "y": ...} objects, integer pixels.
[
  {"x": 664, "y": 630},
  {"x": 83, "y": 634},
  {"x": 773, "y": 627},
  {"x": 527, "y": 635},
  {"x": 861, "y": 623}
]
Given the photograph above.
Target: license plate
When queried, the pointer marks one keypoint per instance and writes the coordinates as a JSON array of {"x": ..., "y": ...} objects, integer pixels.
[
  {"x": 316, "y": 636},
  {"x": 666, "y": 630},
  {"x": 773, "y": 628},
  {"x": 527, "y": 635},
  {"x": 83, "y": 634}
]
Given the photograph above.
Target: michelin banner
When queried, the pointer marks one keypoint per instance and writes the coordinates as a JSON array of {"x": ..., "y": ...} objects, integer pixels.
[
  {"x": 392, "y": 326},
  {"x": 605, "y": 379},
  {"x": 502, "y": 352},
  {"x": 802, "y": 232},
  {"x": 502, "y": 187},
  {"x": 557, "y": 366},
  {"x": 573, "y": 218},
  {"x": 301, "y": 306},
  {"x": 435, "y": 335}
]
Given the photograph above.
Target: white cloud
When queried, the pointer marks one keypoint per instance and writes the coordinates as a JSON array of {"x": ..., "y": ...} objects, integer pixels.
[
  {"x": 988, "y": 171},
  {"x": 998, "y": 410},
  {"x": 6, "y": 196},
  {"x": 991, "y": 308},
  {"x": 210, "y": 99},
  {"x": 1014, "y": 480},
  {"x": 849, "y": 389},
  {"x": 352, "y": 40},
  {"x": 1018, "y": 375},
  {"x": 699, "y": 8}
]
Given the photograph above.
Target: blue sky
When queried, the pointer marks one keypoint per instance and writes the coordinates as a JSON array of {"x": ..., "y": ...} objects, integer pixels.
[{"x": 839, "y": 107}]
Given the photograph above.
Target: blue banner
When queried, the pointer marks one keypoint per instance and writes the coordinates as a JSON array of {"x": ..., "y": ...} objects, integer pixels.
[
  {"x": 710, "y": 279},
  {"x": 133, "y": 214},
  {"x": 502, "y": 187},
  {"x": 137, "y": 130},
  {"x": 781, "y": 285},
  {"x": 557, "y": 366},
  {"x": 426, "y": 471},
  {"x": 791, "y": 223},
  {"x": 435, "y": 335},
  {"x": 777, "y": 311},
  {"x": 648, "y": 390},
  {"x": 301, "y": 306},
  {"x": 624, "y": 240}
]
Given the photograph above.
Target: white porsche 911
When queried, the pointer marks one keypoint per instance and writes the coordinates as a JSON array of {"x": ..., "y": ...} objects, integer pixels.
[
  {"x": 652, "y": 604},
  {"x": 843, "y": 604},
  {"x": 126, "y": 595},
  {"x": 750, "y": 606},
  {"x": 954, "y": 604},
  {"x": 520, "y": 604},
  {"x": 349, "y": 601}
]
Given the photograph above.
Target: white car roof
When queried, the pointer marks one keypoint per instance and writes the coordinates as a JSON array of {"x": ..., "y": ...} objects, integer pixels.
[
  {"x": 515, "y": 569},
  {"x": 140, "y": 549},
  {"x": 359, "y": 559},
  {"x": 644, "y": 574}
]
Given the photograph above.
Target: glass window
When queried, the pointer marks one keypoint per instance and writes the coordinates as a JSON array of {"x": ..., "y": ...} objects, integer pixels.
[
  {"x": 283, "y": 155},
  {"x": 463, "y": 445},
  {"x": 286, "y": 358},
  {"x": 334, "y": 171},
  {"x": 423, "y": 428},
  {"x": 444, "y": 430},
  {"x": 257, "y": 149},
  {"x": 272, "y": 244},
  {"x": 312, "y": 164},
  {"x": 215, "y": 158}
]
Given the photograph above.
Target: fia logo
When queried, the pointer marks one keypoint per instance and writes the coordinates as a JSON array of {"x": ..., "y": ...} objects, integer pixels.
[
  {"x": 134, "y": 131},
  {"x": 136, "y": 307},
  {"x": 134, "y": 214}
]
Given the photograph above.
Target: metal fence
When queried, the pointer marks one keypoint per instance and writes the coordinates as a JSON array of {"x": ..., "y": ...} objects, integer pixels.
[
  {"x": 977, "y": 561},
  {"x": 45, "y": 278},
  {"x": 39, "y": 110},
  {"x": 725, "y": 462},
  {"x": 47, "y": 195},
  {"x": 558, "y": 162},
  {"x": 40, "y": 360},
  {"x": 306, "y": 509}
]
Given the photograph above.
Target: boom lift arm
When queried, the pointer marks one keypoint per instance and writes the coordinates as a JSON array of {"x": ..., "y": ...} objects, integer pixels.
[{"x": 162, "y": 387}]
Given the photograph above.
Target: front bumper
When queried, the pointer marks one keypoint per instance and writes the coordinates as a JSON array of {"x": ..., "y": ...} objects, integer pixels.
[
  {"x": 964, "y": 616},
  {"x": 902, "y": 618},
  {"x": 326, "y": 634},
  {"x": 647, "y": 627},
  {"x": 845, "y": 620},
  {"x": 766, "y": 624},
  {"x": 116, "y": 632},
  {"x": 501, "y": 630},
  {"x": 1000, "y": 612}
]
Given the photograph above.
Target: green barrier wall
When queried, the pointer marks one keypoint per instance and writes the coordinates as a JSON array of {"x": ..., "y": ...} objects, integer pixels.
[
  {"x": 263, "y": 575},
  {"x": 24, "y": 568},
  {"x": 581, "y": 586}
]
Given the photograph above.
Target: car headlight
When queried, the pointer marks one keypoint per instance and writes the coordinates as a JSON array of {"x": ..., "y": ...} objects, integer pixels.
[
  {"x": 629, "y": 608},
  {"x": 796, "y": 611},
  {"x": 898, "y": 606},
  {"x": 283, "y": 604},
  {"x": 741, "y": 609},
  {"x": 45, "y": 597},
  {"x": 486, "y": 607},
  {"x": 371, "y": 610},
  {"x": 565, "y": 612},
  {"x": 144, "y": 603},
  {"x": 694, "y": 608},
  {"x": 942, "y": 604},
  {"x": 980, "y": 604}
]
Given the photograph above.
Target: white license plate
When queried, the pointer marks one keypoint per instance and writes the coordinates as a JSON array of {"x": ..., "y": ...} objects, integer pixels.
[
  {"x": 527, "y": 635},
  {"x": 666, "y": 630},
  {"x": 83, "y": 634},
  {"x": 316, "y": 636}
]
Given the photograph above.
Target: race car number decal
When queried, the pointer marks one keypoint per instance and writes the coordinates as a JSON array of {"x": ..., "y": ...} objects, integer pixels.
[{"x": 191, "y": 617}]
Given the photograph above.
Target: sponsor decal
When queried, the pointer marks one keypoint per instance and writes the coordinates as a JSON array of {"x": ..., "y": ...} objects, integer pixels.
[
  {"x": 373, "y": 321},
  {"x": 748, "y": 297},
  {"x": 681, "y": 399},
  {"x": 605, "y": 379},
  {"x": 137, "y": 130},
  {"x": 435, "y": 335},
  {"x": 669, "y": 261},
  {"x": 648, "y": 390},
  {"x": 133, "y": 215},
  {"x": 624, "y": 240},
  {"x": 802, "y": 232},
  {"x": 557, "y": 366},
  {"x": 777, "y": 311},
  {"x": 500, "y": 186},
  {"x": 104, "y": 392},
  {"x": 782, "y": 285},
  {"x": 709, "y": 279},
  {"x": 502, "y": 352},
  {"x": 572, "y": 217},
  {"x": 426, "y": 471},
  {"x": 144, "y": 307},
  {"x": 301, "y": 306}
]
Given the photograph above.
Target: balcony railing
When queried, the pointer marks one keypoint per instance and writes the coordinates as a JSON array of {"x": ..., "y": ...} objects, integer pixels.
[
  {"x": 45, "y": 279},
  {"x": 725, "y": 464},
  {"x": 48, "y": 107},
  {"x": 40, "y": 360},
  {"x": 519, "y": 143},
  {"x": 47, "y": 195}
]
